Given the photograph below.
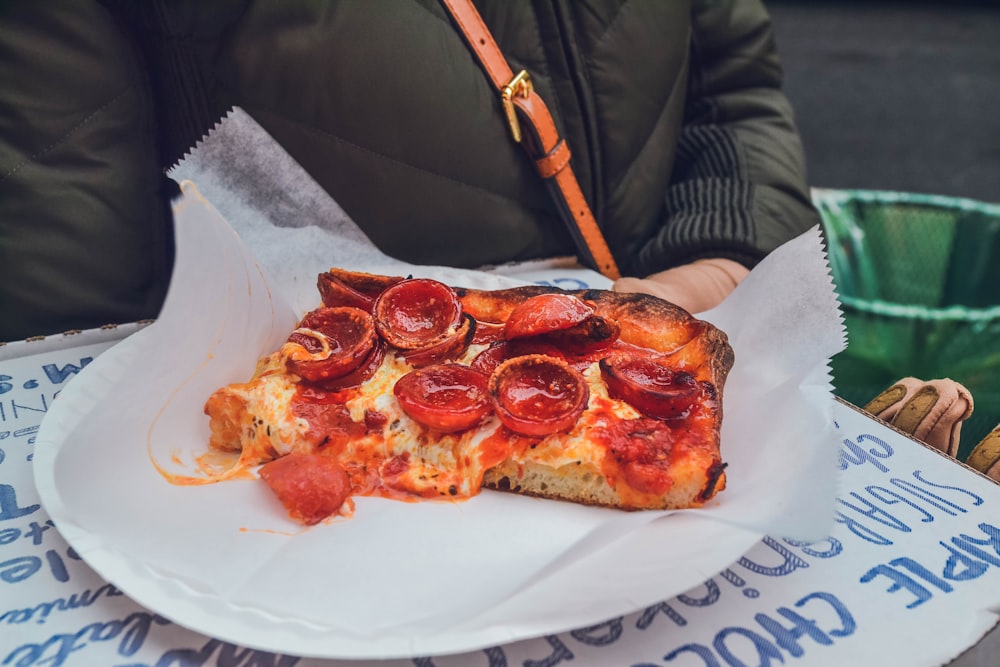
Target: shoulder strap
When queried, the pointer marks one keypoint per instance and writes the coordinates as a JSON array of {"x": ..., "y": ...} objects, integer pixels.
[{"x": 542, "y": 141}]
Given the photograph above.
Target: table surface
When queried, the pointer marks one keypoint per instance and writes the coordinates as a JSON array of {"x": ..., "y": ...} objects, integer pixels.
[{"x": 906, "y": 576}]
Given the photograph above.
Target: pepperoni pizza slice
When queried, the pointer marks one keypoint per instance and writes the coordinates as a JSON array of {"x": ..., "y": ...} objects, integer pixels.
[{"x": 408, "y": 388}]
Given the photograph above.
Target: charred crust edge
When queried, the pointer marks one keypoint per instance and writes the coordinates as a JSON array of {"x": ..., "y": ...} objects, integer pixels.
[{"x": 715, "y": 473}]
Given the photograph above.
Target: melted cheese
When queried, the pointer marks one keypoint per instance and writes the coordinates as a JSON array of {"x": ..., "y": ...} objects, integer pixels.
[
  {"x": 439, "y": 464},
  {"x": 399, "y": 457},
  {"x": 259, "y": 419},
  {"x": 405, "y": 457}
]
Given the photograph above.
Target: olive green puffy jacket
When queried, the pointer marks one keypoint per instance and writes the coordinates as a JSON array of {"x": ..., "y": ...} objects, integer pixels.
[{"x": 682, "y": 141}]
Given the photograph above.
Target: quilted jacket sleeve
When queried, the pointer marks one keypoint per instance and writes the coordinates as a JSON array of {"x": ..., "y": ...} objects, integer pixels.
[
  {"x": 84, "y": 223},
  {"x": 738, "y": 188}
]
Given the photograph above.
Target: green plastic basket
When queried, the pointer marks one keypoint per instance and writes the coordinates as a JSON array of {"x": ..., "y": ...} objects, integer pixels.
[{"x": 919, "y": 281}]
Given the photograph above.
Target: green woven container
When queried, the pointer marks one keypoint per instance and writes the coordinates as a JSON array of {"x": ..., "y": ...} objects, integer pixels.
[{"x": 919, "y": 280}]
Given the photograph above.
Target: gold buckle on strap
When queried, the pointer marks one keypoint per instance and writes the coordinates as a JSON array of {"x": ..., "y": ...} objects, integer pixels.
[{"x": 520, "y": 86}]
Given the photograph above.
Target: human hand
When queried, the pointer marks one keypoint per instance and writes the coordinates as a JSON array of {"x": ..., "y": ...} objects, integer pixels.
[{"x": 696, "y": 287}]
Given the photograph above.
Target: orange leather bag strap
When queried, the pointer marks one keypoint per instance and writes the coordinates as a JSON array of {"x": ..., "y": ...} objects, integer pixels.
[{"x": 543, "y": 143}]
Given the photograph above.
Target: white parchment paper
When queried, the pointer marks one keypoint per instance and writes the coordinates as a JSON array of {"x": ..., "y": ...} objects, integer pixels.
[{"x": 424, "y": 577}]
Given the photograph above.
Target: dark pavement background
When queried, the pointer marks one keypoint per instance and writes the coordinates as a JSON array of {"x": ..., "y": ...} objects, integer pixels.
[{"x": 896, "y": 95}]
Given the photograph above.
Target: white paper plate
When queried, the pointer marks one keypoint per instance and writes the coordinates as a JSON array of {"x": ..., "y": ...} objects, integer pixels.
[
  {"x": 398, "y": 579},
  {"x": 82, "y": 466}
]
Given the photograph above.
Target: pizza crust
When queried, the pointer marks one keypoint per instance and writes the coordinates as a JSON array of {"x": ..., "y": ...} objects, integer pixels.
[{"x": 584, "y": 485}]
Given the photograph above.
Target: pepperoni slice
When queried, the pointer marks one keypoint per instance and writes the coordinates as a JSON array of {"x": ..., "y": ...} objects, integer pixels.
[
  {"x": 310, "y": 486},
  {"x": 328, "y": 419},
  {"x": 487, "y": 361},
  {"x": 594, "y": 334},
  {"x": 546, "y": 313},
  {"x": 651, "y": 388},
  {"x": 364, "y": 371},
  {"x": 362, "y": 294},
  {"x": 641, "y": 449},
  {"x": 537, "y": 395},
  {"x": 330, "y": 342},
  {"x": 454, "y": 345},
  {"x": 417, "y": 313},
  {"x": 500, "y": 351},
  {"x": 488, "y": 332},
  {"x": 444, "y": 397},
  {"x": 580, "y": 345}
]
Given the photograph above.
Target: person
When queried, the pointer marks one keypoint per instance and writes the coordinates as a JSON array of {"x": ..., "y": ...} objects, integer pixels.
[{"x": 682, "y": 140}]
